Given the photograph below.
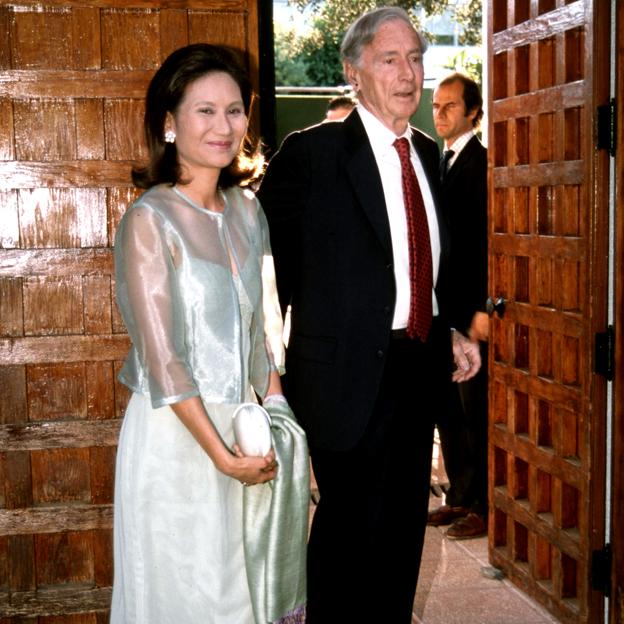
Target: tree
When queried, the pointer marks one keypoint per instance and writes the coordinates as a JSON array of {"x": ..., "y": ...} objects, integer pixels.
[
  {"x": 318, "y": 52},
  {"x": 290, "y": 69},
  {"x": 470, "y": 65},
  {"x": 470, "y": 16}
]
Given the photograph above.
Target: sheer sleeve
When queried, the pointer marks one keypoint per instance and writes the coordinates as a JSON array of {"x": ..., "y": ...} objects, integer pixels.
[
  {"x": 273, "y": 324},
  {"x": 149, "y": 301}
]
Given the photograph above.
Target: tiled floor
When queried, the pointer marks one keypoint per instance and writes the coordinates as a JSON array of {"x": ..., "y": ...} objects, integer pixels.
[{"x": 453, "y": 586}]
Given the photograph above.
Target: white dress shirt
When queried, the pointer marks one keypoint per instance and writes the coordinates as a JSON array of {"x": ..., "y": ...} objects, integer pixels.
[
  {"x": 458, "y": 145},
  {"x": 389, "y": 165}
]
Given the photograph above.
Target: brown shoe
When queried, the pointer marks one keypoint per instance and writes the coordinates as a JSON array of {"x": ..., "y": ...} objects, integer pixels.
[
  {"x": 446, "y": 514},
  {"x": 472, "y": 525}
]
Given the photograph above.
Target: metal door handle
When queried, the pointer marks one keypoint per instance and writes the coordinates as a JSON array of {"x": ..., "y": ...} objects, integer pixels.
[{"x": 497, "y": 306}]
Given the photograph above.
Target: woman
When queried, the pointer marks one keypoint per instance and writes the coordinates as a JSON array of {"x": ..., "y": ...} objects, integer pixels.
[{"x": 190, "y": 256}]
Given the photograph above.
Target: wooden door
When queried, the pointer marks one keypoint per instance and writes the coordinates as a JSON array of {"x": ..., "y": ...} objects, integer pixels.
[
  {"x": 72, "y": 80},
  {"x": 617, "y": 495},
  {"x": 548, "y": 260}
]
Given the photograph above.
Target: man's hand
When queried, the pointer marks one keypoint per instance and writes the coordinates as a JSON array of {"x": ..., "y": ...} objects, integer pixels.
[
  {"x": 479, "y": 328},
  {"x": 467, "y": 357}
]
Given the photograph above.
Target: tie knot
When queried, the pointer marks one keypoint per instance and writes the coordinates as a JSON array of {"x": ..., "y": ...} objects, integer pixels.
[
  {"x": 446, "y": 156},
  {"x": 402, "y": 146}
]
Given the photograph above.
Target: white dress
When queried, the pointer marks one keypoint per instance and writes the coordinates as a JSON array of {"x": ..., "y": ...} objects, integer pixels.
[
  {"x": 198, "y": 328},
  {"x": 178, "y": 520}
]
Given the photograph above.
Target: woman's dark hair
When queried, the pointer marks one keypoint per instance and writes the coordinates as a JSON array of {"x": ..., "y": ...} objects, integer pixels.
[{"x": 164, "y": 94}]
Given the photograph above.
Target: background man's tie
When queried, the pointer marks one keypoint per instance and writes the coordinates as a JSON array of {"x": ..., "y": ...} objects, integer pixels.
[
  {"x": 446, "y": 156},
  {"x": 420, "y": 264}
]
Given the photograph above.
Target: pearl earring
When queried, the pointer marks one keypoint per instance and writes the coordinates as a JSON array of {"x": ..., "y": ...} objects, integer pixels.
[{"x": 170, "y": 136}]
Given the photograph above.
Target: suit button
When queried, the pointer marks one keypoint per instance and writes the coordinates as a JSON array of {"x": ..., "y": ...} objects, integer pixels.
[
  {"x": 386, "y": 309},
  {"x": 380, "y": 353},
  {"x": 389, "y": 266}
]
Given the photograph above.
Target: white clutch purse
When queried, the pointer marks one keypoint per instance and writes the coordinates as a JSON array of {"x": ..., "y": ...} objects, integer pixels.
[{"x": 252, "y": 429}]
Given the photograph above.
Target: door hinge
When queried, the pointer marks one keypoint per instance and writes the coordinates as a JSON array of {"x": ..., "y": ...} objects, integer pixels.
[
  {"x": 606, "y": 127},
  {"x": 601, "y": 570},
  {"x": 605, "y": 353}
]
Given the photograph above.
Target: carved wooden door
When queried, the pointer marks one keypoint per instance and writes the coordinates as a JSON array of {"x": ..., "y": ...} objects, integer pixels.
[
  {"x": 548, "y": 260},
  {"x": 73, "y": 76}
]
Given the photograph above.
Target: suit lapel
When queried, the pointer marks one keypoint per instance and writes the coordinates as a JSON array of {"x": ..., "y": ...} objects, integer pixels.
[
  {"x": 364, "y": 177},
  {"x": 464, "y": 156}
]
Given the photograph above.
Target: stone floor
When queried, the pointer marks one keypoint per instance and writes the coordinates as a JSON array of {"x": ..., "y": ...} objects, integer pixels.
[{"x": 453, "y": 586}]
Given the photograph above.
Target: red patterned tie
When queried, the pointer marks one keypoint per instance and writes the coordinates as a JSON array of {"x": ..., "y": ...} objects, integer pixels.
[{"x": 420, "y": 265}]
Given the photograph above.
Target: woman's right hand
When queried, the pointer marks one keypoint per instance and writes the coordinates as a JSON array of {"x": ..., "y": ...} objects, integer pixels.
[
  {"x": 251, "y": 470},
  {"x": 248, "y": 470}
]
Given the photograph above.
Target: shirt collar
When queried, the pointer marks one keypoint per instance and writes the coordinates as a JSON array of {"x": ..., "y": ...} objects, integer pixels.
[
  {"x": 381, "y": 138},
  {"x": 460, "y": 143}
]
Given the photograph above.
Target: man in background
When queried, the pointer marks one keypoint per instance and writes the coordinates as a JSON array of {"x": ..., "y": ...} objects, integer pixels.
[
  {"x": 457, "y": 112},
  {"x": 339, "y": 107}
]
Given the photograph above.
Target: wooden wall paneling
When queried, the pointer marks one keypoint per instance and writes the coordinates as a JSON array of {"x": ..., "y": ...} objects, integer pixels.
[
  {"x": 124, "y": 129},
  {"x": 86, "y": 38},
  {"x": 44, "y": 130},
  {"x": 218, "y": 28},
  {"x": 90, "y": 136},
  {"x": 29, "y": 50},
  {"x": 130, "y": 39},
  {"x": 7, "y": 138},
  {"x": 173, "y": 30},
  {"x": 57, "y": 218},
  {"x": 71, "y": 108}
]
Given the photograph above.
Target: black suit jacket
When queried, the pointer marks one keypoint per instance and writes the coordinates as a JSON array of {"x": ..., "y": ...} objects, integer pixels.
[
  {"x": 331, "y": 242},
  {"x": 464, "y": 202}
]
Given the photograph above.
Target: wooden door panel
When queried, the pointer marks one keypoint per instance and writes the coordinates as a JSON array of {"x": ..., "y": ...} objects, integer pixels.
[
  {"x": 617, "y": 492},
  {"x": 72, "y": 81},
  {"x": 546, "y": 239}
]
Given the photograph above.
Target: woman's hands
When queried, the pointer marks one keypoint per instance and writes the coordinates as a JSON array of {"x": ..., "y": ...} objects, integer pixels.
[
  {"x": 247, "y": 470},
  {"x": 251, "y": 470}
]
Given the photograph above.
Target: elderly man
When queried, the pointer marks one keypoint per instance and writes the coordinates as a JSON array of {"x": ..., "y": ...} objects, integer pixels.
[{"x": 360, "y": 251}]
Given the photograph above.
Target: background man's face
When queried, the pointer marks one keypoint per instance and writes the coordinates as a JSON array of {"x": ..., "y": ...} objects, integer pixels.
[{"x": 449, "y": 112}]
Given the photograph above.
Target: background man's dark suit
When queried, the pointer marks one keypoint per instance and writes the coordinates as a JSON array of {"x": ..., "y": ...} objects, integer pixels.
[
  {"x": 464, "y": 201},
  {"x": 331, "y": 241}
]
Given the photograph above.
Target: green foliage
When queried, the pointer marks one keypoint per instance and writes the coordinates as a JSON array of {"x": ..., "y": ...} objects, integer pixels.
[
  {"x": 290, "y": 68},
  {"x": 345, "y": 11},
  {"x": 469, "y": 64},
  {"x": 314, "y": 59},
  {"x": 320, "y": 54},
  {"x": 470, "y": 17}
]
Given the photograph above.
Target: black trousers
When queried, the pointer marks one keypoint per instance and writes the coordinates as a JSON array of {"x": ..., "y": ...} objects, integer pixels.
[
  {"x": 463, "y": 437},
  {"x": 368, "y": 529}
]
